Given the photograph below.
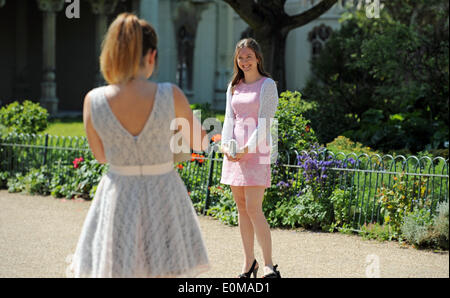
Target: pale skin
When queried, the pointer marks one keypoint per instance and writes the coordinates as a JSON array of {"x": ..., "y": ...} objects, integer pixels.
[
  {"x": 132, "y": 104},
  {"x": 249, "y": 198}
]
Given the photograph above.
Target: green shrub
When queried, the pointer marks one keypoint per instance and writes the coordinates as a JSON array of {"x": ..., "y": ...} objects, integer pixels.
[
  {"x": 398, "y": 200},
  {"x": 28, "y": 117},
  {"x": 206, "y": 110},
  {"x": 376, "y": 231},
  {"x": 67, "y": 181},
  {"x": 294, "y": 131},
  {"x": 347, "y": 146},
  {"x": 417, "y": 226},
  {"x": 342, "y": 206},
  {"x": 312, "y": 212},
  {"x": 441, "y": 225},
  {"x": 423, "y": 230},
  {"x": 384, "y": 82},
  {"x": 224, "y": 208},
  {"x": 15, "y": 183},
  {"x": 4, "y": 176}
]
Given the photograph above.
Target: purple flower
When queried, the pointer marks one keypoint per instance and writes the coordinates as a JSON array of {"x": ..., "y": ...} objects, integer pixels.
[{"x": 283, "y": 184}]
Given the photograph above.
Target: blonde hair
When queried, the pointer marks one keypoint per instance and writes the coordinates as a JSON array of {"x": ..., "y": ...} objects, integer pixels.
[
  {"x": 127, "y": 41},
  {"x": 250, "y": 43}
]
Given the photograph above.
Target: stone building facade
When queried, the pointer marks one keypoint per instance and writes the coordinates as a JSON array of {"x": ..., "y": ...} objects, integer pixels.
[{"x": 47, "y": 55}]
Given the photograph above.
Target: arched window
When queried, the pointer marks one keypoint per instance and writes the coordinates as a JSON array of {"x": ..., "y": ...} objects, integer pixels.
[
  {"x": 185, "y": 44},
  {"x": 317, "y": 37}
]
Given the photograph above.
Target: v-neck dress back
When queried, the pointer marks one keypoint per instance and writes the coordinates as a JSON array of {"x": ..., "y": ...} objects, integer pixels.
[{"x": 139, "y": 224}]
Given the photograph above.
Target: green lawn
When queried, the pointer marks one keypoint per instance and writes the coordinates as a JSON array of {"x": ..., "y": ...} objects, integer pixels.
[
  {"x": 66, "y": 127},
  {"x": 74, "y": 126}
]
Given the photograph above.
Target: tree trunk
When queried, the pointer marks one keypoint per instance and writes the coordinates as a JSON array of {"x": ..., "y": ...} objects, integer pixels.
[
  {"x": 271, "y": 24},
  {"x": 273, "y": 46}
]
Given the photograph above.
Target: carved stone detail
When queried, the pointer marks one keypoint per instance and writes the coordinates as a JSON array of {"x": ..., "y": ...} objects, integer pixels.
[
  {"x": 103, "y": 7},
  {"x": 50, "y": 5}
]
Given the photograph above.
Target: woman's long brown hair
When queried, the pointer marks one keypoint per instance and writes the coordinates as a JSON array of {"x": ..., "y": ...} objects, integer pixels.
[{"x": 238, "y": 74}]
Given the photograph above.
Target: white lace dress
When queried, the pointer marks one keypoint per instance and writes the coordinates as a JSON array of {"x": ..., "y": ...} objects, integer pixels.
[{"x": 139, "y": 225}]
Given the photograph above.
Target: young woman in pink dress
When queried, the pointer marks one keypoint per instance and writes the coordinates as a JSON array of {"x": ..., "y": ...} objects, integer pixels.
[{"x": 252, "y": 100}]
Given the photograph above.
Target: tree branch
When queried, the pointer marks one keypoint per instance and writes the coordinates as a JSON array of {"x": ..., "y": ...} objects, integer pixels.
[
  {"x": 248, "y": 10},
  {"x": 307, "y": 16}
]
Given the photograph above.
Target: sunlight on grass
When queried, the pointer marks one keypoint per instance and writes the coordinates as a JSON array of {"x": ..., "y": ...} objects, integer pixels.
[
  {"x": 66, "y": 127},
  {"x": 74, "y": 126}
]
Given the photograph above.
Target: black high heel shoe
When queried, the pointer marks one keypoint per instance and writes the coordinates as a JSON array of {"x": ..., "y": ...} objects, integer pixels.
[
  {"x": 253, "y": 270},
  {"x": 274, "y": 274}
]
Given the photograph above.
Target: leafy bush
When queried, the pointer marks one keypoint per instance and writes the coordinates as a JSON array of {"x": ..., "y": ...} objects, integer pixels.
[
  {"x": 347, "y": 146},
  {"x": 205, "y": 109},
  {"x": 441, "y": 225},
  {"x": 417, "y": 226},
  {"x": 376, "y": 231},
  {"x": 294, "y": 131},
  {"x": 69, "y": 181},
  {"x": 343, "y": 206},
  {"x": 28, "y": 117},
  {"x": 4, "y": 179},
  {"x": 397, "y": 201},
  {"x": 384, "y": 82},
  {"x": 224, "y": 208},
  {"x": 423, "y": 230}
]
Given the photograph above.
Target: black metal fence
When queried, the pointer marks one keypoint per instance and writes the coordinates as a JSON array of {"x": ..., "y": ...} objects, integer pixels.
[{"x": 361, "y": 177}]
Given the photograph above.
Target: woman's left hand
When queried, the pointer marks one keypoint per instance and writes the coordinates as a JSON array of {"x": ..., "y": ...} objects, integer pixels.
[{"x": 239, "y": 156}]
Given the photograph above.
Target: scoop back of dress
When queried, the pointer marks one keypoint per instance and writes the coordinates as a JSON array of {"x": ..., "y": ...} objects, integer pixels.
[{"x": 139, "y": 225}]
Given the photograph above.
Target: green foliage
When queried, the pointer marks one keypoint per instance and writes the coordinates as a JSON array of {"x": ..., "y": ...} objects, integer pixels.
[
  {"x": 347, "y": 146},
  {"x": 397, "y": 201},
  {"x": 36, "y": 181},
  {"x": 224, "y": 208},
  {"x": 343, "y": 206},
  {"x": 67, "y": 181},
  {"x": 27, "y": 117},
  {"x": 384, "y": 82},
  {"x": 4, "y": 176},
  {"x": 69, "y": 126},
  {"x": 376, "y": 231},
  {"x": 206, "y": 111},
  {"x": 441, "y": 225},
  {"x": 417, "y": 227},
  {"x": 294, "y": 131},
  {"x": 423, "y": 230},
  {"x": 312, "y": 212}
]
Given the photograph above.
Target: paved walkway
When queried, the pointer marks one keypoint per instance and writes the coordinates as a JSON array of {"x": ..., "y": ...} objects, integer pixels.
[{"x": 38, "y": 233}]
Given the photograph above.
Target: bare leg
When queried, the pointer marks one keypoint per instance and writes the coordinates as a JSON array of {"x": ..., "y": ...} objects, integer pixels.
[
  {"x": 245, "y": 227},
  {"x": 254, "y": 197}
]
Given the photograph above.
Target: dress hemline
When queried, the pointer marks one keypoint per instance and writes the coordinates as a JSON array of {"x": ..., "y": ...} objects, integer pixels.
[{"x": 189, "y": 273}]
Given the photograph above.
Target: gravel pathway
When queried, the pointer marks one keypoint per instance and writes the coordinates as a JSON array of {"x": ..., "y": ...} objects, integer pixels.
[{"x": 37, "y": 234}]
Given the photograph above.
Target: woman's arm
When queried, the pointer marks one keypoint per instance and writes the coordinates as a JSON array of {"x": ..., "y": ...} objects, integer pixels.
[
  {"x": 183, "y": 112},
  {"x": 268, "y": 107},
  {"x": 228, "y": 125},
  {"x": 95, "y": 143}
]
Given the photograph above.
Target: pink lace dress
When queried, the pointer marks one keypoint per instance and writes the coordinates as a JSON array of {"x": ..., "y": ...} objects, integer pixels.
[{"x": 249, "y": 113}]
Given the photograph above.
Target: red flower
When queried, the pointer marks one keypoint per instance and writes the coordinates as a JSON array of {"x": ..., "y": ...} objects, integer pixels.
[
  {"x": 77, "y": 162},
  {"x": 180, "y": 166},
  {"x": 307, "y": 128},
  {"x": 193, "y": 155}
]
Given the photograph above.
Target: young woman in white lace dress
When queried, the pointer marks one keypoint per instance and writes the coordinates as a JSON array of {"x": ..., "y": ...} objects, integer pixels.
[
  {"x": 141, "y": 222},
  {"x": 252, "y": 100}
]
